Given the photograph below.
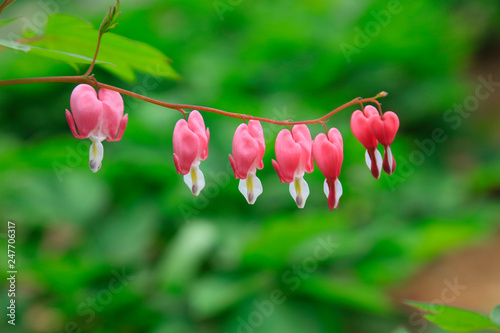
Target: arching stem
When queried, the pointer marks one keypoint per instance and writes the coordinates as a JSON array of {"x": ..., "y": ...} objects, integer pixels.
[{"x": 90, "y": 81}]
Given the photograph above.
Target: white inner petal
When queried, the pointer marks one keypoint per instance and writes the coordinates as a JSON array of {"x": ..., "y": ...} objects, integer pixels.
[
  {"x": 368, "y": 160},
  {"x": 390, "y": 159},
  {"x": 326, "y": 189},
  {"x": 299, "y": 190},
  {"x": 195, "y": 179},
  {"x": 338, "y": 192},
  {"x": 251, "y": 188},
  {"x": 96, "y": 155},
  {"x": 379, "y": 159},
  {"x": 98, "y": 137}
]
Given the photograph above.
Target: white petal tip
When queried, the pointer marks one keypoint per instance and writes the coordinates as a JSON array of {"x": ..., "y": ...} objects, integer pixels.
[
  {"x": 338, "y": 193},
  {"x": 299, "y": 190},
  {"x": 251, "y": 188},
  {"x": 376, "y": 172},
  {"x": 195, "y": 180},
  {"x": 94, "y": 166},
  {"x": 96, "y": 154}
]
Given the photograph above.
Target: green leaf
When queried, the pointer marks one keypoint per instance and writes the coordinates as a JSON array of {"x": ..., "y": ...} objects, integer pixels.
[
  {"x": 346, "y": 291},
  {"x": 7, "y": 21},
  {"x": 15, "y": 45},
  {"x": 495, "y": 315},
  {"x": 185, "y": 255},
  {"x": 71, "y": 34},
  {"x": 453, "y": 319},
  {"x": 48, "y": 53},
  {"x": 212, "y": 295}
]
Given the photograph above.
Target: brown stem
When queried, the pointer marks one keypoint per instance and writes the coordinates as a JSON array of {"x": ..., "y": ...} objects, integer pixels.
[
  {"x": 179, "y": 107},
  {"x": 183, "y": 113},
  {"x": 102, "y": 31},
  {"x": 5, "y": 4},
  {"x": 87, "y": 73},
  {"x": 324, "y": 125}
]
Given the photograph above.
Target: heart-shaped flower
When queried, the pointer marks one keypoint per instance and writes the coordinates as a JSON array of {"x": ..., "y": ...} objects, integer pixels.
[
  {"x": 328, "y": 154},
  {"x": 293, "y": 159},
  {"x": 384, "y": 129},
  {"x": 248, "y": 151},
  {"x": 98, "y": 116},
  {"x": 360, "y": 126},
  {"x": 190, "y": 142}
]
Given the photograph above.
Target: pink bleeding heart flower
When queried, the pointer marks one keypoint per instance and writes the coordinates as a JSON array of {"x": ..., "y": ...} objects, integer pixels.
[
  {"x": 98, "y": 116},
  {"x": 248, "y": 151},
  {"x": 360, "y": 126},
  {"x": 190, "y": 141},
  {"x": 293, "y": 159},
  {"x": 328, "y": 153},
  {"x": 384, "y": 129}
]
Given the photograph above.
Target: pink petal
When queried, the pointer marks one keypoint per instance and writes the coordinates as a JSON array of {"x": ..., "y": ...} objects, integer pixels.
[
  {"x": 121, "y": 130},
  {"x": 288, "y": 155},
  {"x": 384, "y": 128},
  {"x": 186, "y": 145},
  {"x": 327, "y": 156},
  {"x": 113, "y": 99},
  {"x": 370, "y": 111},
  {"x": 112, "y": 112},
  {"x": 235, "y": 168},
  {"x": 278, "y": 171},
  {"x": 335, "y": 137},
  {"x": 71, "y": 123},
  {"x": 245, "y": 152},
  {"x": 86, "y": 109},
  {"x": 204, "y": 153},
  {"x": 255, "y": 130},
  {"x": 360, "y": 127},
  {"x": 197, "y": 126},
  {"x": 302, "y": 136},
  {"x": 110, "y": 122}
]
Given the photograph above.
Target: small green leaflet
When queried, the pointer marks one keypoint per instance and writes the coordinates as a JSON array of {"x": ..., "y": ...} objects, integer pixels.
[{"x": 454, "y": 319}]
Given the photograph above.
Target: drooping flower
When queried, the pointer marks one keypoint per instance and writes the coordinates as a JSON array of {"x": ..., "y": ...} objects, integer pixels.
[
  {"x": 360, "y": 126},
  {"x": 98, "y": 116},
  {"x": 190, "y": 141},
  {"x": 293, "y": 159},
  {"x": 384, "y": 129},
  {"x": 248, "y": 151},
  {"x": 328, "y": 153}
]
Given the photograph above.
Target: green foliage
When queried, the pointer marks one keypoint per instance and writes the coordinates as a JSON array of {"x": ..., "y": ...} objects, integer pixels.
[
  {"x": 208, "y": 264},
  {"x": 70, "y": 34},
  {"x": 495, "y": 315},
  {"x": 49, "y": 53},
  {"x": 401, "y": 330},
  {"x": 348, "y": 292},
  {"x": 454, "y": 319},
  {"x": 7, "y": 21},
  {"x": 72, "y": 40}
]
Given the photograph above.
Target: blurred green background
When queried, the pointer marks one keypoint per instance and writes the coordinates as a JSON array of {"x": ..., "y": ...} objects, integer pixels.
[{"x": 129, "y": 249}]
